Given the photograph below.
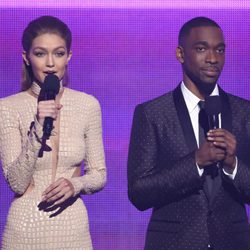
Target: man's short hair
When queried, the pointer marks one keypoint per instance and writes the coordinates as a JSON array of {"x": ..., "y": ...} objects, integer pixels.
[{"x": 193, "y": 23}]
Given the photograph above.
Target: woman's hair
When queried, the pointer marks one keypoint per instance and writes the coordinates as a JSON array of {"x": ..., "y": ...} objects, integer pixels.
[{"x": 37, "y": 27}]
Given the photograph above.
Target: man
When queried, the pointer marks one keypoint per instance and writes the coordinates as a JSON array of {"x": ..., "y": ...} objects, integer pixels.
[{"x": 169, "y": 166}]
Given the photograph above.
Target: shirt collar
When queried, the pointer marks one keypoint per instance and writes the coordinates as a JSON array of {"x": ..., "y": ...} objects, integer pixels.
[{"x": 192, "y": 100}]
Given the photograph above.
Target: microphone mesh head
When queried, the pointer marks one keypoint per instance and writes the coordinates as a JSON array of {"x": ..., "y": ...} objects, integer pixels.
[
  {"x": 213, "y": 105},
  {"x": 51, "y": 84}
]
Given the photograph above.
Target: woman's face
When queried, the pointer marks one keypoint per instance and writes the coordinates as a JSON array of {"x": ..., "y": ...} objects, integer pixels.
[{"x": 47, "y": 55}]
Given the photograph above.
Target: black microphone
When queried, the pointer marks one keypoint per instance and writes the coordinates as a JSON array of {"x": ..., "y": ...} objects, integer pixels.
[
  {"x": 213, "y": 108},
  {"x": 49, "y": 90}
]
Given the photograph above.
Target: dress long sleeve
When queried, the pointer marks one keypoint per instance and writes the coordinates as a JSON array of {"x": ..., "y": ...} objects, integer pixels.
[
  {"x": 94, "y": 177},
  {"x": 18, "y": 152}
]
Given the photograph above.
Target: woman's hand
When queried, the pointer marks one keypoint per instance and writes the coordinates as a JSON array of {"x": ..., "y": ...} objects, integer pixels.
[
  {"x": 47, "y": 109},
  {"x": 58, "y": 192}
]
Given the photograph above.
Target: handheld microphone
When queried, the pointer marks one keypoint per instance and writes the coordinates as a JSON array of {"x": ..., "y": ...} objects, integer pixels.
[
  {"x": 50, "y": 88},
  {"x": 213, "y": 108}
]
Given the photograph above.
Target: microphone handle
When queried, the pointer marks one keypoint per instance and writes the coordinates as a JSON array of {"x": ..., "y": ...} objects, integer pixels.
[
  {"x": 213, "y": 121},
  {"x": 47, "y": 126},
  {"x": 48, "y": 122}
]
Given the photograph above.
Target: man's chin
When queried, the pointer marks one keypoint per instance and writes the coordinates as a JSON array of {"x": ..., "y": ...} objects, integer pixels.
[{"x": 206, "y": 88}]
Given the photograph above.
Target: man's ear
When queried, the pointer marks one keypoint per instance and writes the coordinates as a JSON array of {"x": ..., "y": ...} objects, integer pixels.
[
  {"x": 180, "y": 54},
  {"x": 25, "y": 58}
]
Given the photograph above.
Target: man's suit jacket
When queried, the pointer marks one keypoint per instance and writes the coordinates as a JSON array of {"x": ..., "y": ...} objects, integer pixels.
[{"x": 162, "y": 174}]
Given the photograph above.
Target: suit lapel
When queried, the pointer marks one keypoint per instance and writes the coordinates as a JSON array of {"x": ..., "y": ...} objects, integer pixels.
[
  {"x": 184, "y": 119},
  {"x": 183, "y": 115},
  {"x": 226, "y": 114},
  {"x": 186, "y": 124}
]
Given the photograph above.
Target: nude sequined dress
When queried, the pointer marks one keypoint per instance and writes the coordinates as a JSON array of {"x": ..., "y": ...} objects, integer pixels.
[{"x": 79, "y": 138}]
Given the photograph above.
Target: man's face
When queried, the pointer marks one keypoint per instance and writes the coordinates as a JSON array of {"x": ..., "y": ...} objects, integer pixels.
[{"x": 203, "y": 57}]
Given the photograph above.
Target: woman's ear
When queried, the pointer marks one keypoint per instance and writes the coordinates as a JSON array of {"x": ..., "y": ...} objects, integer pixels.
[
  {"x": 69, "y": 56},
  {"x": 180, "y": 54},
  {"x": 25, "y": 58}
]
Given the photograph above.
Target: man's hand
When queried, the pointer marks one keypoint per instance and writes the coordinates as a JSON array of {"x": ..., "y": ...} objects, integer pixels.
[
  {"x": 208, "y": 154},
  {"x": 226, "y": 141}
]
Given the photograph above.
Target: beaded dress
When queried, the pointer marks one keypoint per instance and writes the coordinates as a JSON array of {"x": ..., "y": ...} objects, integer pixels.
[{"x": 76, "y": 138}]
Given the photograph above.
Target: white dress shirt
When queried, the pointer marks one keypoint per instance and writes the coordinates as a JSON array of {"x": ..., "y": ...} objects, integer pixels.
[{"x": 192, "y": 101}]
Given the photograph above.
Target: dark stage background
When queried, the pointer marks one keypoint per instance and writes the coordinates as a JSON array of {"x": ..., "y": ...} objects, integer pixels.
[{"x": 123, "y": 54}]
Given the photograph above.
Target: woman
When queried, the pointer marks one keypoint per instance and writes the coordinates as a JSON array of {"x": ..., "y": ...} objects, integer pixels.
[{"x": 47, "y": 212}]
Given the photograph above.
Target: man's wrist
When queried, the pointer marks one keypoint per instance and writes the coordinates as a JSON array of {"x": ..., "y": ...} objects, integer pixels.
[
  {"x": 197, "y": 160},
  {"x": 229, "y": 168}
]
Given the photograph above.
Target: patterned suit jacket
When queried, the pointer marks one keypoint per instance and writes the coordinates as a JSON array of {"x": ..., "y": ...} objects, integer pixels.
[{"x": 162, "y": 175}]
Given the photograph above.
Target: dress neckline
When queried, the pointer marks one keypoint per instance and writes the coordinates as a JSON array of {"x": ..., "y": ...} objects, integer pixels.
[{"x": 35, "y": 89}]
